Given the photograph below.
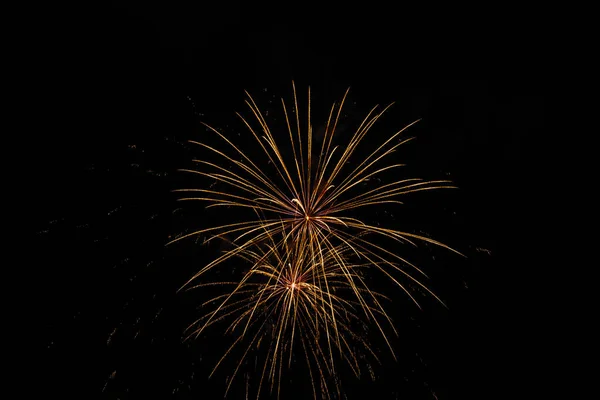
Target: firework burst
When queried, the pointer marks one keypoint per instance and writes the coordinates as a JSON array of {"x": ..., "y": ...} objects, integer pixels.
[
  {"x": 301, "y": 235},
  {"x": 294, "y": 301}
]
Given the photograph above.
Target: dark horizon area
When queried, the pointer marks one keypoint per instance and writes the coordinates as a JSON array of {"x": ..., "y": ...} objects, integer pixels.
[{"x": 127, "y": 86}]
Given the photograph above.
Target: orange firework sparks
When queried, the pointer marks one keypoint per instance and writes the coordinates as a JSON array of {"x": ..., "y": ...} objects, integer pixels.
[
  {"x": 300, "y": 237},
  {"x": 294, "y": 298}
]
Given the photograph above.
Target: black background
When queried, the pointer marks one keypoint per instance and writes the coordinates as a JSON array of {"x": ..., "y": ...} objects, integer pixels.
[{"x": 123, "y": 87}]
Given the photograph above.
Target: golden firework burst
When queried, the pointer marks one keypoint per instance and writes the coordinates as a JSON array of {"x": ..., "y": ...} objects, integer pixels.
[
  {"x": 309, "y": 200},
  {"x": 302, "y": 237},
  {"x": 294, "y": 300}
]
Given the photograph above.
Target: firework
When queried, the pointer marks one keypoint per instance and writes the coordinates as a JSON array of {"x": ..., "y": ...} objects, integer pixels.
[
  {"x": 294, "y": 301},
  {"x": 301, "y": 235},
  {"x": 313, "y": 191}
]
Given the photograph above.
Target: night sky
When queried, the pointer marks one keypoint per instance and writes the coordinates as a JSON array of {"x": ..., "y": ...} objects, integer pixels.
[{"x": 125, "y": 87}]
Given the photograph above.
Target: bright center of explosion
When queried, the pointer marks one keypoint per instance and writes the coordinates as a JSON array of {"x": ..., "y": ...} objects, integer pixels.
[{"x": 294, "y": 285}]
